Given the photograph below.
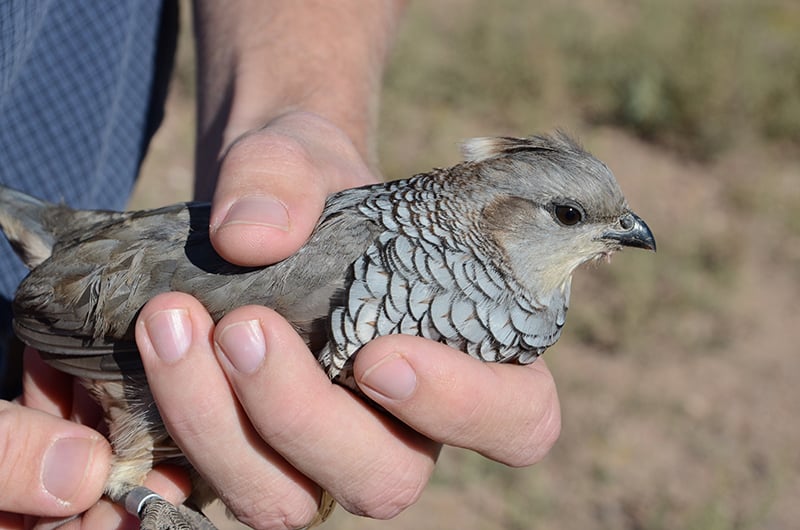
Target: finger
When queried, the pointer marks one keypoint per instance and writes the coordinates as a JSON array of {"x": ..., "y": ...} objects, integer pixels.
[
  {"x": 47, "y": 389},
  {"x": 370, "y": 463},
  {"x": 508, "y": 413},
  {"x": 272, "y": 187},
  {"x": 49, "y": 466},
  {"x": 203, "y": 417},
  {"x": 44, "y": 387},
  {"x": 169, "y": 482},
  {"x": 11, "y": 521},
  {"x": 86, "y": 410}
]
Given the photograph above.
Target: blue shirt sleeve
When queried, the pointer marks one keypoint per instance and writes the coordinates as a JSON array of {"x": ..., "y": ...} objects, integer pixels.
[{"x": 82, "y": 86}]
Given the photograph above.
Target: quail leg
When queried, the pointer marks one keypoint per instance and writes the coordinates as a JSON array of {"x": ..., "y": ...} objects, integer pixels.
[{"x": 155, "y": 513}]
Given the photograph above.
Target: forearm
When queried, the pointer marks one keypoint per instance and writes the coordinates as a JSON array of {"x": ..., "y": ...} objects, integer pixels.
[{"x": 259, "y": 59}]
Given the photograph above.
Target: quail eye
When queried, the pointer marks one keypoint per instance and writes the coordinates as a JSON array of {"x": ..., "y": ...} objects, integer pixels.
[{"x": 568, "y": 215}]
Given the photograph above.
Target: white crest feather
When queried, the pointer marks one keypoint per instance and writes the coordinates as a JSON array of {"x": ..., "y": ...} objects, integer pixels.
[{"x": 478, "y": 149}]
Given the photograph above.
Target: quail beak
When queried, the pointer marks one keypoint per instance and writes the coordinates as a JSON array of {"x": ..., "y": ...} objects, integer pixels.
[{"x": 634, "y": 233}]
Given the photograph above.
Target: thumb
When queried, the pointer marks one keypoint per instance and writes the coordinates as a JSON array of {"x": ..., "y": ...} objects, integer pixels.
[
  {"x": 272, "y": 186},
  {"x": 49, "y": 466}
]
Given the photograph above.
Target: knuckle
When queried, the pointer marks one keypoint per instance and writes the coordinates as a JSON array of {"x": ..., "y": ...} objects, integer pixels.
[
  {"x": 468, "y": 417},
  {"x": 390, "y": 502},
  {"x": 300, "y": 517},
  {"x": 538, "y": 433},
  {"x": 542, "y": 440},
  {"x": 550, "y": 431},
  {"x": 286, "y": 154},
  {"x": 267, "y": 513},
  {"x": 389, "y": 493}
]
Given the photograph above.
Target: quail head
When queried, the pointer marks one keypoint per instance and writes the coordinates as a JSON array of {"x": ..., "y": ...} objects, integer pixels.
[{"x": 478, "y": 256}]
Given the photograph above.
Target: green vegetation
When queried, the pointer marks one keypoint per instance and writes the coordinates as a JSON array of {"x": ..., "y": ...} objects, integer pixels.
[{"x": 695, "y": 76}]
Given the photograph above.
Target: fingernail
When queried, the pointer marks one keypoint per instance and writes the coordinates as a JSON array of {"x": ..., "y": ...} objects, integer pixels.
[
  {"x": 65, "y": 465},
  {"x": 243, "y": 344},
  {"x": 257, "y": 211},
  {"x": 170, "y": 333},
  {"x": 392, "y": 377}
]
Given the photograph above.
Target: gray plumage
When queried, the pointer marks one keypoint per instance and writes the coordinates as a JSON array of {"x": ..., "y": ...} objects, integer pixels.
[{"x": 478, "y": 256}]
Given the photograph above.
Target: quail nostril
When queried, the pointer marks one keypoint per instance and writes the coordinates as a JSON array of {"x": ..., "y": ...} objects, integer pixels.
[
  {"x": 627, "y": 221},
  {"x": 633, "y": 232}
]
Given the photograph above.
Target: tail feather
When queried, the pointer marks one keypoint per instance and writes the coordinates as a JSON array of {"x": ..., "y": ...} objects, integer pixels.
[
  {"x": 34, "y": 227},
  {"x": 22, "y": 219}
]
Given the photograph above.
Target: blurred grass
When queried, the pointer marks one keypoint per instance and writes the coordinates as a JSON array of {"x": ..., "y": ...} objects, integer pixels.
[
  {"x": 695, "y": 76},
  {"x": 677, "y": 371}
]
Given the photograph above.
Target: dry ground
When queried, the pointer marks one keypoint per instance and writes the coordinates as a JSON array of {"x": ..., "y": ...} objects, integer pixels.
[{"x": 679, "y": 372}]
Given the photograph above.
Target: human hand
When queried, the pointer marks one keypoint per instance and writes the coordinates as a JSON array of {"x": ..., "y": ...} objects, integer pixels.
[
  {"x": 265, "y": 427},
  {"x": 53, "y": 464},
  {"x": 245, "y": 399},
  {"x": 258, "y": 418},
  {"x": 272, "y": 185}
]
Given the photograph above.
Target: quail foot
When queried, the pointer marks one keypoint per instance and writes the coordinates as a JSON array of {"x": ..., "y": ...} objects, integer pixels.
[{"x": 478, "y": 256}]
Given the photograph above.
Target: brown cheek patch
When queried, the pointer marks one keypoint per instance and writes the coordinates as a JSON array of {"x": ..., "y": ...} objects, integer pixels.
[{"x": 506, "y": 213}]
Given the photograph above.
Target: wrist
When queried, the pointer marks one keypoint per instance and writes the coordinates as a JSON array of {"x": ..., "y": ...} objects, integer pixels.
[{"x": 269, "y": 59}]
